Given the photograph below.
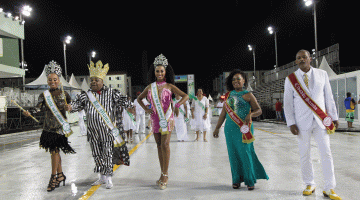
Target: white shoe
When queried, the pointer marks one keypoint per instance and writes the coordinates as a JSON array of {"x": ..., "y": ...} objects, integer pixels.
[
  {"x": 100, "y": 181},
  {"x": 331, "y": 194},
  {"x": 109, "y": 183}
]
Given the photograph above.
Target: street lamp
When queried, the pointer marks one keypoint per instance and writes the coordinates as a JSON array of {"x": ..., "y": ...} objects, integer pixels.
[
  {"x": 252, "y": 48},
  {"x": 92, "y": 55},
  {"x": 308, "y": 3},
  {"x": 66, "y": 41},
  {"x": 271, "y": 31},
  {"x": 26, "y": 11}
]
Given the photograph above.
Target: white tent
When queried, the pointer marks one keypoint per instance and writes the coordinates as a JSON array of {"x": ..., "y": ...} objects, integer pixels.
[
  {"x": 210, "y": 98},
  {"x": 84, "y": 86},
  {"x": 325, "y": 66},
  {"x": 73, "y": 82},
  {"x": 41, "y": 82}
]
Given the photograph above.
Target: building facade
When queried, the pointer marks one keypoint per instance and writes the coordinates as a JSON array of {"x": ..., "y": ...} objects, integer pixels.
[
  {"x": 117, "y": 80},
  {"x": 11, "y": 30}
]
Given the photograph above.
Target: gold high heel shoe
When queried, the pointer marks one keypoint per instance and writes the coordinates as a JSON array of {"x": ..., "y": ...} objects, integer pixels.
[
  {"x": 162, "y": 185},
  {"x": 158, "y": 181}
]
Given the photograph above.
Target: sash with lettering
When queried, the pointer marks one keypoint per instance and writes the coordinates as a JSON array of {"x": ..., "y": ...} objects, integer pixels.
[
  {"x": 163, "y": 118},
  {"x": 327, "y": 121},
  {"x": 181, "y": 110},
  {"x": 118, "y": 142},
  {"x": 60, "y": 118},
  {"x": 132, "y": 118},
  {"x": 247, "y": 136},
  {"x": 198, "y": 101}
]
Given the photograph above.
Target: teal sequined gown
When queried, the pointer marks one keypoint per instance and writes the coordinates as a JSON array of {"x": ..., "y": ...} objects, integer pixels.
[{"x": 245, "y": 165}]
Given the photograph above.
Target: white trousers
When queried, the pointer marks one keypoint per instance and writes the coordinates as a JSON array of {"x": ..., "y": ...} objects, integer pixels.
[
  {"x": 323, "y": 140},
  {"x": 140, "y": 123}
]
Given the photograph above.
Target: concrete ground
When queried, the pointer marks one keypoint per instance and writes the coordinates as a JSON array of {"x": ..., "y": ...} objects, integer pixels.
[{"x": 198, "y": 170}]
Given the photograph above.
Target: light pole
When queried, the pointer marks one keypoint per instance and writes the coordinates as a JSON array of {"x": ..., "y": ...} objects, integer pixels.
[
  {"x": 66, "y": 41},
  {"x": 252, "y": 48},
  {"x": 309, "y": 3},
  {"x": 26, "y": 10},
  {"x": 271, "y": 31},
  {"x": 92, "y": 55}
]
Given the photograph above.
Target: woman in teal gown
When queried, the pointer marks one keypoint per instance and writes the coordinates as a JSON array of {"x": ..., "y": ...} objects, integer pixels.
[{"x": 245, "y": 165}]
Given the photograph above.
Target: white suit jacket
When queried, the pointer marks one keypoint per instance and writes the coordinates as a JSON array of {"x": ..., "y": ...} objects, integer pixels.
[{"x": 297, "y": 112}]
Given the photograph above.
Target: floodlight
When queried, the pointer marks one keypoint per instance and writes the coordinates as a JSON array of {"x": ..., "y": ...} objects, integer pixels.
[
  {"x": 68, "y": 39},
  {"x": 26, "y": 10},
  {"x": 8, "y": 15},
  {"x": 308, "y": 2}
]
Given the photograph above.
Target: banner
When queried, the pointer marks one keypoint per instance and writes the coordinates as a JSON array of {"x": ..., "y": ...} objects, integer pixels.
[
  {"x": 1, "y": 48},
  {"x": 191, "y": 85},
  {"x": 181, "y": 78}
]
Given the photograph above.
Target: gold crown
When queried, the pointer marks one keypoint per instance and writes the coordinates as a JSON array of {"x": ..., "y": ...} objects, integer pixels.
[{"x": 98, "y": 71}]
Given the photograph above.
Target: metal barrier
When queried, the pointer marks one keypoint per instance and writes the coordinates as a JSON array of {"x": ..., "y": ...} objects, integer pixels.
[{"x": 17, "y": 122}]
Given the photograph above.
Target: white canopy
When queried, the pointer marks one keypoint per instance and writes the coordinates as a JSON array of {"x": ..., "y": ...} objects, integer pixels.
[
  {"x": 73, "y": 82},
  {"x": 325, "y": 66},
  {"x": 41, "y": 82},
  {"x": 84, "y": 86}
]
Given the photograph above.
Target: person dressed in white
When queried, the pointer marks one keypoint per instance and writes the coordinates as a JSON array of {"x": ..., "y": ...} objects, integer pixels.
[
  {"x": 220, "y": 105},
  {"x": 82, "y": 118},
  {"x": 140, "y": 116},
  {"x": 128, "y": 120},
  {"x": 304, "y": 122},
  {"x": 199, "y": 112},
  {"x": 180, "y": 124}
]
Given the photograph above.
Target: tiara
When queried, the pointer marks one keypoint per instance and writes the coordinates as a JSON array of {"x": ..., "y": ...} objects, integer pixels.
[
  {"x": 161, "y": 60},
  {"x": 53, "y": 67}
]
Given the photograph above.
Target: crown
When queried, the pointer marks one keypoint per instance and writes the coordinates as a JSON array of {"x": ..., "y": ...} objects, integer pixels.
[
  {"x": 54, "y": 68},
  {"x": 98, "y": 71},
  {"x": 161, "y": 60}
]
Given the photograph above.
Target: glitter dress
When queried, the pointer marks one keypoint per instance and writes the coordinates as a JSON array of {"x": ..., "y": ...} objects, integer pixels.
[
  {"x": 52, "y": 137},
  {"x": 245, "y": 165},
  {"x": 166, "y": 100}
]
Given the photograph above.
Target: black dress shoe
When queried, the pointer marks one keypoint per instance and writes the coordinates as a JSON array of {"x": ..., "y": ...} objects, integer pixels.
[{"x": 236, "y": 185}]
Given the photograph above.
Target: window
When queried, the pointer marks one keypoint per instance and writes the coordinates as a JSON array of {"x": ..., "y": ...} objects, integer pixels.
[
  {"x": 119, "y": 85},
  {"x": 110, "y": 78},
  {"x": 118, "y": 78},
  {"x": 110, "y": 85}
]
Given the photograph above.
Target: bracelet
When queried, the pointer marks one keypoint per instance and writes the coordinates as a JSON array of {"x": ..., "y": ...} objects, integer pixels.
[{"x": 177, "y": 105}]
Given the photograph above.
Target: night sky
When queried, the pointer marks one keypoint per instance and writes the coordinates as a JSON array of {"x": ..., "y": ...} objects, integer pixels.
[{"x": 204, "y": 38}]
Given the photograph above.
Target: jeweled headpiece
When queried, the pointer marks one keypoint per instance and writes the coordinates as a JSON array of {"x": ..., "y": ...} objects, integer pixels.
[
  {"x": 53, "y": 67},
  {"x": 161, "y": 60},
  {"x": 98, "y": 71}
]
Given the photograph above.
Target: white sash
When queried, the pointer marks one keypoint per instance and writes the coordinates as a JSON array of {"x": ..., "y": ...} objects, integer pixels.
[
  {"x": 163, "y": 118},
  {"x": 54, "y": 109},
  {"x": 118, "y": 142}
]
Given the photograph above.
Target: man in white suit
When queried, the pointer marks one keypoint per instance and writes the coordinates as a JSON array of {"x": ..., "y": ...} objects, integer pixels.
[{"x": 304, "y": 123}]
